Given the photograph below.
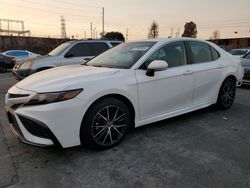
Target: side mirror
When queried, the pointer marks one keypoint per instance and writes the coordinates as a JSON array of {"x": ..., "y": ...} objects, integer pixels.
[
  {"x": 156, "y": 65},
  {"x": 68, "y": 55}
]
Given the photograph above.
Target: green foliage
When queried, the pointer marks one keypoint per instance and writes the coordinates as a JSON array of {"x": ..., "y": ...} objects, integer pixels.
[
  {"x": 190, "y": 30},
  {"x": 114, "y": 35}
]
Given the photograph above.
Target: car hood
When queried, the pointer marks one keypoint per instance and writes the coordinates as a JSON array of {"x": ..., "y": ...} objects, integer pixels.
[{"x": 61, "y": 78}]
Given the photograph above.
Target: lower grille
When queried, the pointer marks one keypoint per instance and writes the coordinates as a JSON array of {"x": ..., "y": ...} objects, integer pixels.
[{"x": 35, "y": 128}]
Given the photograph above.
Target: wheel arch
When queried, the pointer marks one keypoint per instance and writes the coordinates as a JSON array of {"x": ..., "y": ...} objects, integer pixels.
[{"x": 120, "y": 97}]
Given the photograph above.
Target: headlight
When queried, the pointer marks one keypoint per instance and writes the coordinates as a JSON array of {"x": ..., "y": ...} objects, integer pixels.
[
  {"x": 46, "y": 98},
  {"x": 25, "y": 65}
]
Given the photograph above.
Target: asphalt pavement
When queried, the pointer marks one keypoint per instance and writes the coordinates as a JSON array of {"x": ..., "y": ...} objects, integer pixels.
[{"x": 205, "y": 148}]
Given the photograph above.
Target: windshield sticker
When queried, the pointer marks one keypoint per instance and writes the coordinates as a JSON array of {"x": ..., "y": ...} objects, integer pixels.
[{"x": 140, "y": 49}]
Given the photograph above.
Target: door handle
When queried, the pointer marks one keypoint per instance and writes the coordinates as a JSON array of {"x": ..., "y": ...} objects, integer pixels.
[
  {"x": 220, "y": 66},
  {"x": 187, "y": 72}
]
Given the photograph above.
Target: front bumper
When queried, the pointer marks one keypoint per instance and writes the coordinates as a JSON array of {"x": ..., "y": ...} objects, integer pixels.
[
  {"x": 45, "y": 125},
  {"x": 21, "y": 73},
  {"x": 46, "y": 137}
]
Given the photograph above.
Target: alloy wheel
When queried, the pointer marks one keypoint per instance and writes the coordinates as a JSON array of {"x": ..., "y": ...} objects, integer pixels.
[
  {"x": 109, "y": 125},
  {"x": 228, "y": 94}
]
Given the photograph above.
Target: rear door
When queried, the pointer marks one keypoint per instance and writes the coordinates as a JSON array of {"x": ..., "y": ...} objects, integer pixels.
[{"x": 208, "y": 70}]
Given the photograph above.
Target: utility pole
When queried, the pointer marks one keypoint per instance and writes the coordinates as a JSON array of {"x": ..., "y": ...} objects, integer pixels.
[
  {"x": 85, "y": 37},
  {"x": 102, "y": 21},
  {"x": 94, "y": 33},
  {"x": 172, "y": 32},
  {"x": 127, "y": 35},
  {"x": 91, "y": 30},
  {"x": 63, "y": 28}
]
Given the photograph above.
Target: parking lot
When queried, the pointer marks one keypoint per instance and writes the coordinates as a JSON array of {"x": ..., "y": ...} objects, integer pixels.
[{"x": 206, "y": 148}]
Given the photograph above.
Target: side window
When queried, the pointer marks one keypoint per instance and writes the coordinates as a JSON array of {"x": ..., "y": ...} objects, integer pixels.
[
  {"x": 201, "y": 52},
  {"x": 115, "y": 44},
  {"x": 174, "y": 54},
  {"x": 19, "y": 53},
  {"x": 81, "y": 49},
  {"x": 99, "y": 47},
  {"x": 215, "y": 54}
]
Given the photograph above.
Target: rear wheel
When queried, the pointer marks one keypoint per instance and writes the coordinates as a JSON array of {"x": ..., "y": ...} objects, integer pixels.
[
  {"x": 3, "y": 68},
  {"x": 105, "y": 124},
  {"x": 227, "y": 94}
]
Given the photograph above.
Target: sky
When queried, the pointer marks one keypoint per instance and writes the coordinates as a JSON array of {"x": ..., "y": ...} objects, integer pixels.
[{"x": 136, "y": 16}]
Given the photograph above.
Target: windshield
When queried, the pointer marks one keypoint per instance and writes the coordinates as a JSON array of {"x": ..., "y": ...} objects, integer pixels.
[
  {"x": 238, "y": 52},
  {"x": 58, "y": 50},
  {"x": 123, "y": 56}
]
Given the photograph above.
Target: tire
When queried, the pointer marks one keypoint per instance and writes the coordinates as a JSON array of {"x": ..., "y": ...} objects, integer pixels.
[
  {"x": 227, "y": 94},
  {"x": 3, "y": 68},
  {"x": 105, "y": 124}
]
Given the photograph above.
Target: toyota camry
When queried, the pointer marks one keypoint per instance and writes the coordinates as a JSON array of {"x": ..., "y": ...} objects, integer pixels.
[{"x": 131, "y": 85}]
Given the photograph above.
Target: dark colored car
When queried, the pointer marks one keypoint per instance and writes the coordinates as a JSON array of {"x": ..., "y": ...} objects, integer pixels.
[
  {"x": 6, "y": 62},
  {"x": 245, "y": 62}
]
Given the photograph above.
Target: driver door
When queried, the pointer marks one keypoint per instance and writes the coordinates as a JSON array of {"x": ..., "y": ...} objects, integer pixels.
[{"x": 168, "y": 91}]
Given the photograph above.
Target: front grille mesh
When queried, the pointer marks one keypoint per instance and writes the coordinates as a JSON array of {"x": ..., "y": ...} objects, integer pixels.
[{"x": 34, "y": 127}]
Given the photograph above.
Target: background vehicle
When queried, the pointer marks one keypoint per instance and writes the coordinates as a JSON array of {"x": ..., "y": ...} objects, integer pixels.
[
  {"x": 132, "y": 84},
  {"x": 69, "y": 53},
  {"x": 239, "y": 52},
  {"x": 6, "y": 62},
  {"x": 245, "y": 62},
  {"x": 21, "y": 54}
]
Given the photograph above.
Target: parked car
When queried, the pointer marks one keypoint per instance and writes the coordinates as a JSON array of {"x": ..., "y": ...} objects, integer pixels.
[
  {"x": 245, "y": 62},
  {"x": 73, "y": 52},
  {"x": 21, "y": 54},
  {"x": 6, "y": 62},
  {"x": 132, "y": 84},
  {"x": 239, "y": 52}
]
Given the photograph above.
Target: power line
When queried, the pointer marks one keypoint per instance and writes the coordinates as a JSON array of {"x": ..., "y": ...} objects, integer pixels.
[
  {"x": 40, "y": 10},
  {"x": 61, "y": 8}
]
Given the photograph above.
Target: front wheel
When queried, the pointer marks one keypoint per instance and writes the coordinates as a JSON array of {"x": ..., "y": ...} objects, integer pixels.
[
  {"x": 105, "y": 124},
  {"x": 3, "y": 68},
  {"x": 227, "y": 94}
]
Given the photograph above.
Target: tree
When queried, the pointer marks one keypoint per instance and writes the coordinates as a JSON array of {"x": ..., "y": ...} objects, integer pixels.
[
  {"x": 153, "y": 30},
  {"x": 114, "y": 35},
  {"x": 190, "y": 30},
  {"x": 216, "y": 34}
]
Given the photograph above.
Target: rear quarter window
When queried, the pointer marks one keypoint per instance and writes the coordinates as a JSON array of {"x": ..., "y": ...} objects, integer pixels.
[{"x": 215, "y": 54}]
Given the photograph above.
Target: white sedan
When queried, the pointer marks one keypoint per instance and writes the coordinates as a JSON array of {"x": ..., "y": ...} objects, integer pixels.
[{"x": 130, "y": 85}]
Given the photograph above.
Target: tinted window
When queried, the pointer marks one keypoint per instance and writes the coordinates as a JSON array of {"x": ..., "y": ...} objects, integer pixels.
[
  {"x": 17, "y": 53},
  {"x": 238, "y": 52},
  {"x": 81, "y": 49},
  {"x": 99, "y": 47},
  {"x": 247, "y": 56},
  {"x": 215, "y": 54},
  {"x": 115, "y": 43},
  {"x": 174, "y": 54},
  {"x": 201, "y": 52}
]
